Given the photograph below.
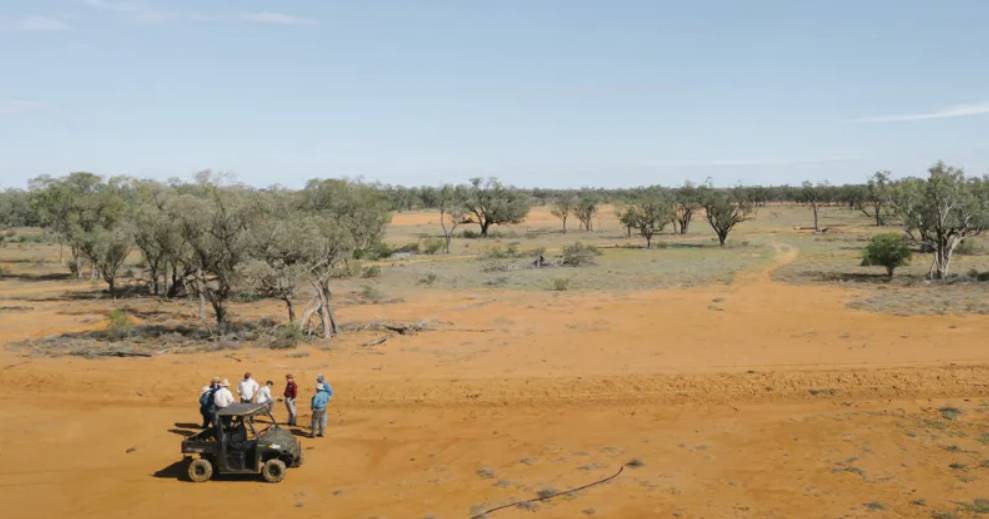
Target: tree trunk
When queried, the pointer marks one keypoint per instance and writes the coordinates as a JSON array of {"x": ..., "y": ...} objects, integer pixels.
[
  {"x": 879, "y": 219},
  {"x": 564, "y": 224},
  {"x": 814, "y": 208},
  {"x": 291, "y": 309},
  {"x": 484, "y": 227},
  {"x": 889, "y": 272},
  {"x": 722, "y": 238},
  {"x": 648, "y": 241},
  {"x": 942, "y": 257},
  {"x": 448, "y": 236}
]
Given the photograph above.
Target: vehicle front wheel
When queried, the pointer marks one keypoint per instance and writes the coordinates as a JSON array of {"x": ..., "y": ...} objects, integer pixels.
[
  {"x": 200, "y": 470},
  {"x": 273, "y": 470}
]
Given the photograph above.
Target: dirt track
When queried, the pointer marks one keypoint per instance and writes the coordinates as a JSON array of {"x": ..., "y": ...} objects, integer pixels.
[{"x": 756, "y": 399}]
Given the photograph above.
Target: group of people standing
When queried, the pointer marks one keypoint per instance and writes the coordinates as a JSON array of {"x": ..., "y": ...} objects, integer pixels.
[{"x": 217, "y": 395}]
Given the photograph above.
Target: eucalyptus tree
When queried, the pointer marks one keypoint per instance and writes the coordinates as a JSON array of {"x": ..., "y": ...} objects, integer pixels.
[
  {"x": 562, "y": 207},
  {"x": 450, "y": 201},
  {"x": 941, "y": 211},
  {"x": 489, "y": 202},
  {"x": 724, "y": 209},
  {"x": 649, "y": 213}
]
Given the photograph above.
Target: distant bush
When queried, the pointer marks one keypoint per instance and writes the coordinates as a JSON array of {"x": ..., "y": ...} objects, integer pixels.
[
  {"x": 510, "y": 251},
  {"x": 286, "y": 337},
  {"x": 432, "y": 245},
  {"x": 371, "y": 272},
  {"x": 376, "y": 251},
  {"x": 371, "y": 294},
  {"x": 408, "y": 248},
  {"x": 428, "y": 279},
  {"x": 978, "y": 276},
  {"x": 561, "y": 284},
  {"x": 118, "y": 325},
  {"x": 888, "y": 250},
  {"x": 578, "y": 255}
]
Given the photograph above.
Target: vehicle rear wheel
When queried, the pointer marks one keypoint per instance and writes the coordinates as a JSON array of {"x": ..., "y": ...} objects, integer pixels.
[
  {"x": 273, "y": 470},
  {"x": 200, "y": 470}
]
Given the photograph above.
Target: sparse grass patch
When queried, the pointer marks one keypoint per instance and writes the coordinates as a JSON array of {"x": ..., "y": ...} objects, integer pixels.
[
  {"x": 950, "y": 413},
  {"x": 874, "y": 506},
  {"x": 428, "y": 279},
  {"x": 371, "y": 272},
  {"x": 486, "y": 473},
  {"x": 561, "y": 284}
]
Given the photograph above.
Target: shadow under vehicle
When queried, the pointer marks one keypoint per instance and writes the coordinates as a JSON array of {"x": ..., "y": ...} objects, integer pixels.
[{"x": 234, "y": 445}]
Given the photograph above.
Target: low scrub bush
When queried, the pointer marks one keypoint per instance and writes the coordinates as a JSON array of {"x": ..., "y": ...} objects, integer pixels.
[
  {"x": 371, "y": 294},
  {"x": 428, "y": 279},
  {"x": 286, "y": 337},
  {"x": 578, "y": 255},
  {"x": 371, "y": 272},
  {"x": 375, "y": 251},
  {"x": 431, "y": 245},
  {"x": 118, "y": 325},
  {"x": 561, "y": 284}
]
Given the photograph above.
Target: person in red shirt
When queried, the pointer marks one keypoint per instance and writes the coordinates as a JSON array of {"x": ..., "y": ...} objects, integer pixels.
[{"x": 291, "y": 391}]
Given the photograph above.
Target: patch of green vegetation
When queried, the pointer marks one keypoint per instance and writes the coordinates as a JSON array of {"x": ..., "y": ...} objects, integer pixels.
[{"x": 950, "y": 413}]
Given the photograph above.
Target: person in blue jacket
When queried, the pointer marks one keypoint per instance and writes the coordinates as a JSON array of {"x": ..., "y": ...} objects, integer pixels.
[{"x": 319, "y": 402}]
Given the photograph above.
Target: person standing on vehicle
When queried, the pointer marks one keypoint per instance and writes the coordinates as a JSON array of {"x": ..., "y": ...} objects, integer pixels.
[
  {"x": 319, "y": 402},
  {"x": 206, "y": 405},
  {"x": 291, "y": 392},
  {"x": 248, "y": 389},
  {"x": 264, "y": 395},
  {"x": 223, "y": 397}
]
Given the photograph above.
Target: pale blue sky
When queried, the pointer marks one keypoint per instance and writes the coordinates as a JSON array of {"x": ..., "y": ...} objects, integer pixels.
[{"x": 551, "y": 93}]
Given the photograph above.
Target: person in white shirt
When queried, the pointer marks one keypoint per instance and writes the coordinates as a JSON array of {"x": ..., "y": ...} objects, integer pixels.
[
  {"x": 248, "y": 389},
  {"x": 264, "y": 395},
  {"x": 223, "y": 396}
]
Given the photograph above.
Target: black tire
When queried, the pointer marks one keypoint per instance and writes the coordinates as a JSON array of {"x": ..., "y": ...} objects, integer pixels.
[
  {"x": 200, "y": 470},
  {"x": 273, "y": 470}
]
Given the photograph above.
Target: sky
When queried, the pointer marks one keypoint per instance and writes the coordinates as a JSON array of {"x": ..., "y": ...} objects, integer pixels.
[{"x": 564, "y": 93}]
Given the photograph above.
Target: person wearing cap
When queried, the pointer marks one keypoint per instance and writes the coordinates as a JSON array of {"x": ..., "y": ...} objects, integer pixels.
[
  {"x": 319, "y": 402},
  {"x": 291, "y": 392},
  {"x": 206, "y": 405},
  {"x": 248, "y": 389}
]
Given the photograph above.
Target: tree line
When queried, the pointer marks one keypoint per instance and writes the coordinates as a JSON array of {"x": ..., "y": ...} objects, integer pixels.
[{"x": 208, "y": 237}]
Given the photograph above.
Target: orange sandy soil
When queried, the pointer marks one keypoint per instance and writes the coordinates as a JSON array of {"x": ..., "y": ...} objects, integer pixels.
[{"x": 754, "y": 399}]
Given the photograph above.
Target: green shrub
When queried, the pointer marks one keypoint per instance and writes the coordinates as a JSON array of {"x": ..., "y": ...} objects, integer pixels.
[
  {"x": 408, "y": 248},
  {"x": 286, "y": 337},
  {"x": 578, "y": 255},
  {"x": 375, "y": 251},
  {"x": 371, "y": 272},
  {"x": 372, "y": 294},
  {"x": 432, "y": 245},
  {"x": 561, "y": 284},
  {"x": 118, "y": 325},
  {"x": 888, "y": 250}
]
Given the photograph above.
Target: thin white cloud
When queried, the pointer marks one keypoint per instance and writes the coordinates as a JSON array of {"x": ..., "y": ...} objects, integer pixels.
[
  {"x": 273, "y": 18},
  {"x": 20, "y": 106},
  {"x": 36, "y": 23},
  {"x": 964, "y": 110}
]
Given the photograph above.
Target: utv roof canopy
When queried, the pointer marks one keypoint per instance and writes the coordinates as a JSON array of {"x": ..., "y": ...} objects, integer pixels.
[{"x": 241, "y": 409}]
